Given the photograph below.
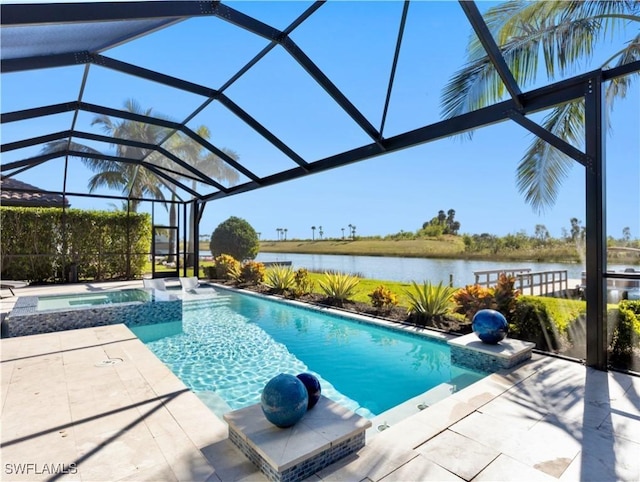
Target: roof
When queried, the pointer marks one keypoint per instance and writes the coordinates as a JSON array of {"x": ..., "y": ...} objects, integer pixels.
[{"x": 18, "y": 193}]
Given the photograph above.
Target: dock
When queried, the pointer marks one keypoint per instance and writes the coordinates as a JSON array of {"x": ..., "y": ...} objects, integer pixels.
[{"x": 528, "y": 282}]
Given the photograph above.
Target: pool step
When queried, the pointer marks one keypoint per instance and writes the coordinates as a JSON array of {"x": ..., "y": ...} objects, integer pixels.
[
  {"x": 410, "y": 407},
  {"x": 214, "y": 402},
  {"x": 195, "y": 303}
]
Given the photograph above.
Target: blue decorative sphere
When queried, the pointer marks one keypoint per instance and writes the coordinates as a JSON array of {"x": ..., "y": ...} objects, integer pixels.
[
  {"x": 490, "y": 326},
  {"x": 284, "y": 400},
  {"x": 312, "y": 384}
]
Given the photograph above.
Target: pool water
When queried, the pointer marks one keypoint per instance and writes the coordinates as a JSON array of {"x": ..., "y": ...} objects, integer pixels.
[
  {"x": 230, "y": 346},
  {"x": 59, "y": 302}
]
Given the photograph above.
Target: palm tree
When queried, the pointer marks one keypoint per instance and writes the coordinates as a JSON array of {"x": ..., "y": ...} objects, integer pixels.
[
  {"x": 564, "y": 34},
  {"x": 206, "y": 162},
  {"x": 313, "y": 233},
  {"x": 136, "y": 181},
  {"x": 131, "y": 179}
]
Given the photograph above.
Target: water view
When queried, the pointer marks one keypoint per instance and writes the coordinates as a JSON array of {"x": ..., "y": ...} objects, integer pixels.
[{"x": 413, "y": 269}]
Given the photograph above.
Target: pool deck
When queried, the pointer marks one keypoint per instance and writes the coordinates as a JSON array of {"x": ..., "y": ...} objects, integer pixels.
[{"x": 97, "y": 404}]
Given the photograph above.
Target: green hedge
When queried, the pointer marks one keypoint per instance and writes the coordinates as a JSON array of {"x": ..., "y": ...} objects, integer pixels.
[
  {"x": 42, "y": 244},
  {"x": 549, "y": 322},
  {"x": 624, "y": 330}
]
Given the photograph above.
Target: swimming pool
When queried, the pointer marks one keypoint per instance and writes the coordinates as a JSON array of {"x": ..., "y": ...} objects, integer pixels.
[
  {"x": 33, "y": 315},
  {"x": 66, "y": 302},
  {"x": 229, "y": 347}
]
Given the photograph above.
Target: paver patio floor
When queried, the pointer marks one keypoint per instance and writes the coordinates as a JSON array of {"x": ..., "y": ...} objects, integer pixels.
[{"x": 97, "y": 404}]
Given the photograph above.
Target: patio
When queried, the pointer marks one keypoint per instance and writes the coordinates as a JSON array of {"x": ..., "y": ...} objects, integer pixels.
[
  {"x": 95, "y": 404},
  {"x": 69, "y": 404}
]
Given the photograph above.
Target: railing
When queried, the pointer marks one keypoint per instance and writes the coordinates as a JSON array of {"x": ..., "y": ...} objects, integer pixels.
[
  {"x": 543, "y": 283},
  {"x": 490, "y": 277},
  {"x": 539, "y": 283},
  {"x": 269, "y": 264}
]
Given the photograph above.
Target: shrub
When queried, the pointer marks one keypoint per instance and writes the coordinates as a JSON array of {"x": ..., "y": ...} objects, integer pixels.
[
  {"x": 531, "y": 321},
  {"x": 226, "y": 267},
  {"x": 428, "y": 301},
  {"x": 235, "y": 237},
  {"x": 473, "y": 298},
  {"x": 383, "y": 298},
  {"x": 251, "y": 272},
  {"x": 505, "y": 295},
  {"x": 280, "y": 279},
  {"x": 209, "y": 272},
  {"x": 40, "y": 244},
  {"x": 338, "y": 287},
  {"x": 564, "y": 312},
  {"x": 626, "y": 330},
  {"x": 303, "y": 283}
]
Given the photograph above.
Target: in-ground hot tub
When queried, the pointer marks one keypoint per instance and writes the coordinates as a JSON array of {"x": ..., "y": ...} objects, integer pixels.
[{"x": 133, "y": 307}]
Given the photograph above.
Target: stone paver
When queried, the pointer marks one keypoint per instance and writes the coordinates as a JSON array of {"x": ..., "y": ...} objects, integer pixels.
[{"x": 458, "y": 454}]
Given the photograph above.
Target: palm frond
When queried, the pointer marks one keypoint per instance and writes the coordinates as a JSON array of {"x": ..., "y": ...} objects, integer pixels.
[
  {"x": 111, "y": 179},
  {"x": 563, "y": 33},
  {"x": 543, "y": 168},
  {"x": 62, "y": 144},
  {"x": 618, "y": 87}
]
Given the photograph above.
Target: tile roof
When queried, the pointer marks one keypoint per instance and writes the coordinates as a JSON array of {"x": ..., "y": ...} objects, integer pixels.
[{"x": 18, "y": 193}]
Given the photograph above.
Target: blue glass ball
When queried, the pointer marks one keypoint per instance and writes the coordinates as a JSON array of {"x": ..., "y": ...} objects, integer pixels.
[
  {"x": 284, "y": 400},
  {"x": 490, "y": 326},
  {"x": 312, "y": 384}
]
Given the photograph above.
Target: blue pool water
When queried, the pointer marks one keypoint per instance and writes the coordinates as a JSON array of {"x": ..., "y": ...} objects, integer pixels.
[{"x": 227, "y": 348}]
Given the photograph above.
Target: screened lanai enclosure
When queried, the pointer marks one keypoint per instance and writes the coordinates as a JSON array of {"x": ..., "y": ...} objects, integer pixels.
[{"x": 167, "y": 106}]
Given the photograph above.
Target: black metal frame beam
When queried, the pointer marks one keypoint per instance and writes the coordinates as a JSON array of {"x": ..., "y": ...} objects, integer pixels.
[
  {"x": 255, "y": 26},
  {"x": 26, "y": 114},
  {"x": 394, "y": 64},
  {"x": 153, "y": 168},
  {"x": 596, "y": 233},
  {"x": 550, "y": 138},
  {"x": 97, "y": 109},
  {"x": 44, "y": 62},
  {"x": 491, "y": 47},
  {"x": 32, "y": 14},
  {"x": 105, "y": 196},
  {"x": 199, "y": 176},
  {"x": 533, "y": 101}
]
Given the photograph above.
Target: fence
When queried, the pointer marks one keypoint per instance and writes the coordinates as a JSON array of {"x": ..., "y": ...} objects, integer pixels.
[
  {"x": 541, "y": 283},
  {"x": 490, "y": 278}
]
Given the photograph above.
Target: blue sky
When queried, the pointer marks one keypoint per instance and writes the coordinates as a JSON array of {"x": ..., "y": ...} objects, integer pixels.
[{"x": 353, "y": 43}]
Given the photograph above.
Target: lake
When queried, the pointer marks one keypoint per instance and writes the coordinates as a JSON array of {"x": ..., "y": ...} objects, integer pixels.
[{"x": 413, "y": 269}]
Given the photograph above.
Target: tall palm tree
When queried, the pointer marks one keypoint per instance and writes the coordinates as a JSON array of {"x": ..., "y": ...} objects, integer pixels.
[
  {"x": 132, "y": 180},
  {"x": 206, "y": 162},
  {"x": 136, "y": 181},
  {"x": 564, "y": 34}
]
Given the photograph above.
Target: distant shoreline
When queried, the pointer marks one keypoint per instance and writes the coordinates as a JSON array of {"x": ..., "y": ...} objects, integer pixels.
[{"x": 450, "y": 247}]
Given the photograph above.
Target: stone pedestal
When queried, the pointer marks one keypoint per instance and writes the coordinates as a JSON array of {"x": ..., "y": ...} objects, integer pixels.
[
  {"x": 325, "y": 434},
  {"x": 469, "y": 351}
]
